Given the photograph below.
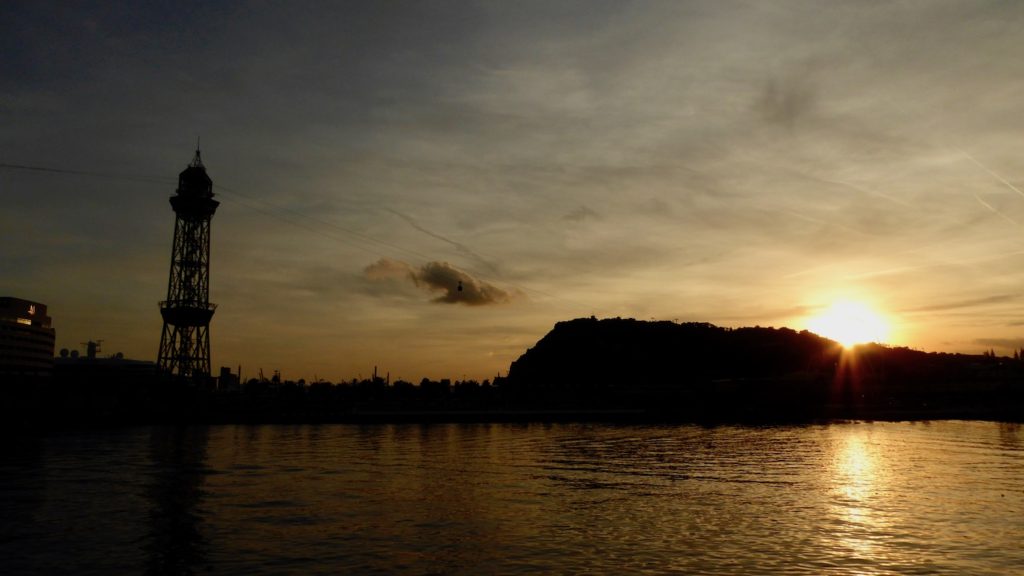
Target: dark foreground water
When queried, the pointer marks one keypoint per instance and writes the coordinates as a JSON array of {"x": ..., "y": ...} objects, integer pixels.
[{"x": 883, "y": 498}]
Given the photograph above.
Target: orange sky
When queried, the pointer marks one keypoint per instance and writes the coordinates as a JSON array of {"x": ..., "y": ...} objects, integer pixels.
[{"x": 740, "y": 163}]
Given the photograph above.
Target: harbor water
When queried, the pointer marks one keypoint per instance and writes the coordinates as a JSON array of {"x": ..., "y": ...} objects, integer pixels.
[{"x": 942, "y": 497}]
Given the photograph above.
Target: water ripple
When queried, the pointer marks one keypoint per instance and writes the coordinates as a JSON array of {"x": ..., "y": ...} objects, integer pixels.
[{"x": 858, "y": 498}]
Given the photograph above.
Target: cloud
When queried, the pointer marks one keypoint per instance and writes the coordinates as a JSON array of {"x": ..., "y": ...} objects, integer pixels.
[
  {"x": 580, "y": 214},
  {"x": 1014, "y": 343},
  {"x": 386, "y": 269},
  {"x": 965, "y": 304},
  {"x": 784, "y": 101},
  {"x": 456, "y": 286}
]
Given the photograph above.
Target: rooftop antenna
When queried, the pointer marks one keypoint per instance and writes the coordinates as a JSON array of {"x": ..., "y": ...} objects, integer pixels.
[
  {"x": 92, "y": 348},
  {"x": 197, "y": 161}
]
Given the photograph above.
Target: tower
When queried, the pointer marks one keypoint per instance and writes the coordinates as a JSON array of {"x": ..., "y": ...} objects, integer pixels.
[{"x": 185, "y": 341}]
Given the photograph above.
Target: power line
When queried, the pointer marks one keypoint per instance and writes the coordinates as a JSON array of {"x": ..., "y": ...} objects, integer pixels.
[
  {"x": 111, "y": 175},
  {"x": 326, "y": 229},
  {"x": 289, "y": 215},
  {"x": 281, "y": 213}
]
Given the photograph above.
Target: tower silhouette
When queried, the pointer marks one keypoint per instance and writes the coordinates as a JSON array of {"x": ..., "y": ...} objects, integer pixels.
[{"x": 185, "y": 341}]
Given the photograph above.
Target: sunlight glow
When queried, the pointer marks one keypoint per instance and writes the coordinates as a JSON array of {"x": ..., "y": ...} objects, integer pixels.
[
  {"x": 856, "y": 484},
  {"x": 850, "y": 323},
  {"x": 855, "y": 470}
]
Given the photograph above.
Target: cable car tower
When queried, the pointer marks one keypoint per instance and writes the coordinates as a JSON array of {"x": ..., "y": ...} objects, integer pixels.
[{"x": 185, "y": 341}]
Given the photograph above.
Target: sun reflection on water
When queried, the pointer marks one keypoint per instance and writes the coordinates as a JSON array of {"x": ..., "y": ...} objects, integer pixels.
[
  {"x": 856, "y": 485},
  {"x": 855, "y": 469}
]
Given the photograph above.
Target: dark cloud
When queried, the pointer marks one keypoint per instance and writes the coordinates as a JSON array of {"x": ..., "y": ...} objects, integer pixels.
[
  {"x": 455, "y": 286},
  {"x": 784, "y": 101},
  {"x": 580, "y": 214}
]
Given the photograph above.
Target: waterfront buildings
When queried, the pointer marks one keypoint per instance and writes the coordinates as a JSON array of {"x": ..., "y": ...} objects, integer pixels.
[{"x": 26, "y": 339}]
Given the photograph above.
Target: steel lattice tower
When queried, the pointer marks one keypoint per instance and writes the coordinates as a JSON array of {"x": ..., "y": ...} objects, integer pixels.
[{"x": 185, "y": 341}]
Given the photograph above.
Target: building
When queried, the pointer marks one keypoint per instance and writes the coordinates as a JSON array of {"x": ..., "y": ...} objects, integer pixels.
[
  {"x": 26, "y": 339},
  {"x": 72, "y": 367}
]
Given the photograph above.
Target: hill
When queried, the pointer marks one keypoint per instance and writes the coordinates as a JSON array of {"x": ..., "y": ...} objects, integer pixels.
[{"x": 701, "y": 371}]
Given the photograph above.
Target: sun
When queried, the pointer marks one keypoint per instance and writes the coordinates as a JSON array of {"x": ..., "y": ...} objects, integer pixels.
[{"x": 850, "y": 323}]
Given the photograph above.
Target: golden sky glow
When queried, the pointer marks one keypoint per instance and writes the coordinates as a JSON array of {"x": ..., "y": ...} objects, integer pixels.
[
  {"x": 850, "y": 323},
  {"x": 726, "y": 162}
]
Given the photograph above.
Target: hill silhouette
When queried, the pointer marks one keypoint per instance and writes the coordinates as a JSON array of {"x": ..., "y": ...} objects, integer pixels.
[
  {"x": 699, "y": 371},
  {"x": 615, "y": 352}
]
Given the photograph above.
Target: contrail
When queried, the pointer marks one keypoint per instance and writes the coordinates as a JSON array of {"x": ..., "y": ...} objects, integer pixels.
[
  {"x": 457, "y": 245},
  {"x": 991, "y": 172},
  {"x": 997, "y": 177},
  {"x": 808, "y": 176},
  {"x": 994, "y": 211},
  {"x": 961, "y": 262},
  {"x": 863, "y": 190}
]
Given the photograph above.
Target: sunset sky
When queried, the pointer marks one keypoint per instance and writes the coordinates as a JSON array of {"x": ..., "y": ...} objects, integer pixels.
[{"x": 739, "y": 163}]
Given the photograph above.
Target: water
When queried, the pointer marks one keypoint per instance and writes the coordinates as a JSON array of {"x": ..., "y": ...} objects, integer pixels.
[{"x": 860, "y": 498}]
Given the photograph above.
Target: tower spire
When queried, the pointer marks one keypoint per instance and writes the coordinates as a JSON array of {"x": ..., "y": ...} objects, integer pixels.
[{"x": 197, "y": 161}]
